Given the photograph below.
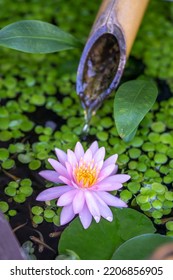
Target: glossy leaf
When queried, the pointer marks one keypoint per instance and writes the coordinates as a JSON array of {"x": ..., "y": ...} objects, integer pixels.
[
  {"x": 34, "y": 36},
  {"x": 140, "y": 247},
  {"x": 132, "y": 101},
  {"x": 100, "y": 240}
]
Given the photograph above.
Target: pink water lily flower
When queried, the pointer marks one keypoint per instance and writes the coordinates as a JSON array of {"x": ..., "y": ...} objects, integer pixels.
[{"x": 85, "y": 182}]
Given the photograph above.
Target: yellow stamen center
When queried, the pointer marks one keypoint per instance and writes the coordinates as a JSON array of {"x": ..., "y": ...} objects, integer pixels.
[{"x": 85, "y": 174}]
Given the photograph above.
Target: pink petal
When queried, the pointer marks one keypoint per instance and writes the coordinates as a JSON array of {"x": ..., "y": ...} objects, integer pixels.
[
  {"x": 67, "y": 214},
  {"x": 99, "y": 165},
  {"x": 75, "y": 185},
  {"x": 79, "y": 151},
  {"x": 69, "y": 170},
  {"x": 115, "y": 170},
  {"x": 78, "y": 202},
  {"x": 87, "y": 156},
  {"x": 61, "y": 155},
  {"x": 106, "y": 186},
  {"x": 94, "y": 147},
  {"x": 105, "y": 172},
  {"x": 118, "y": 178},
  {"x": 105, "y": 211},
  {"x": 110, "y": 160},
  {"x": 85, "y": 217},
  {"x": 112, "y": 183},
  {"x": 92, "y": 205},
  {"x": 66, "y": 198},
  {"x": 65, "y": 181},
  {"x": 50, "y": 175},
  {"x": 111, "y": 200},
  {"x": 52, "y": 193},
  {"x": 58, "y": 167},
  {"x": 71, "y": 158},
  {"x": 99, "y": 155}
]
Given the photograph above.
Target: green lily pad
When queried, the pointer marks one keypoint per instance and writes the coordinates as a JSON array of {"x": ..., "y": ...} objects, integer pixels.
[
  {"x": 100, "y": 240},
  {"x": 140, "y": 247}
]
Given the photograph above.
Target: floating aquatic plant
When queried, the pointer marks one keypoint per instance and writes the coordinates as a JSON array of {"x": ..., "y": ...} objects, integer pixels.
[{"x": 85, "y": 182}]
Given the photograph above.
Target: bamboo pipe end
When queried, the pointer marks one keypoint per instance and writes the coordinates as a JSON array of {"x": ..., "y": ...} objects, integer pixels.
[
  {"x": 101, "y": 66},
  {"x": 114, "y": 30}
]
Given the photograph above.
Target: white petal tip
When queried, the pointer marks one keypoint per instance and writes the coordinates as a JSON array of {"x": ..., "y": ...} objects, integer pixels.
[
  {"x": 85, "y": 227},
  {"x": 97, "y": 219},
  {"x": 128, "y": 177},
  {"x": 123, "y": 205},
  {"x": 109, "y": 219},
  {"x": 40, "y": 197}
]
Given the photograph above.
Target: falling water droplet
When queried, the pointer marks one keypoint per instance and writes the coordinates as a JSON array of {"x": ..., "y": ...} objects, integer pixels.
[{"x": 87, "y": 118}]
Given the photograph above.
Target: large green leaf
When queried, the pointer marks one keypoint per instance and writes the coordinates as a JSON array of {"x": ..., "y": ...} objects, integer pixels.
[
  {"x": 140, "y": 247},
  {"x": 100, "y": 240},
  {"x": 132, "y": 101},
  {"x": 34, "y": 36}
]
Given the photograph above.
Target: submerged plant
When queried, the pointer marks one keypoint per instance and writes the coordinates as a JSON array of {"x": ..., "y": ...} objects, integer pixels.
[{"x": 85, "y": 182}]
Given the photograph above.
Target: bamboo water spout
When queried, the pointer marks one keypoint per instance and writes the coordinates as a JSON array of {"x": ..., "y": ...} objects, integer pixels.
[{"x": 104, "y": 56}]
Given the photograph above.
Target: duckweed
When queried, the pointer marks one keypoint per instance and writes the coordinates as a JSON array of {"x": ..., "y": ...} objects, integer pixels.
[
  {"x": 48, "y": 213},
  {"x": 158, "y": 188},
  {"x": 134, "y": 153},
  {"x": 12, "y": 213},
  {"x": 156, "y": 214},
  {"x": 167, "y": 179},
  {"x": 169, "y": 195},
  {"x": 35, "y": 164},
  {"x": 5, "y": 135},
  {"x": 37, "y": 219},
  {"x": 132, "y": 165},
  {"x": 31, "y": 101},
  {"x": 4, "y": 206},
  {"x": 134, "y": 187},
  {"x": 154, "y": 137},
  {"x": 160, "y": 158},
  {"x": 4, "y": 154},
  {"x": 19, "y": 198},
  {"x": 19, "y": 190},
  {"x": 123, "y": 159},
  {"x": 148, "y": 147},
  {"x": 145, "y": 207},
  {"x": 125, "y": 195},
  {"x": 8, "y": 164},
  {"x": 26, "y": 190},
  {"x": 102, "y": 136},
  {"x": 164, "y": 169},
  {"x": 169, "y": 225},
  {"x": 56, "y": 220},
  {"x": 166, "y": 138},
  {"x": 106, "y": 122},
  {"x": 142, "y": 167},
  {"x": 37, "y": 210},
  {"x": 171, "y": 164},
  {"x": 158, "y": 126},
  {"x": 157, "y": 204},
  {"x": 10, "y": 191},
  {"x": 137, "y": 142}
]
